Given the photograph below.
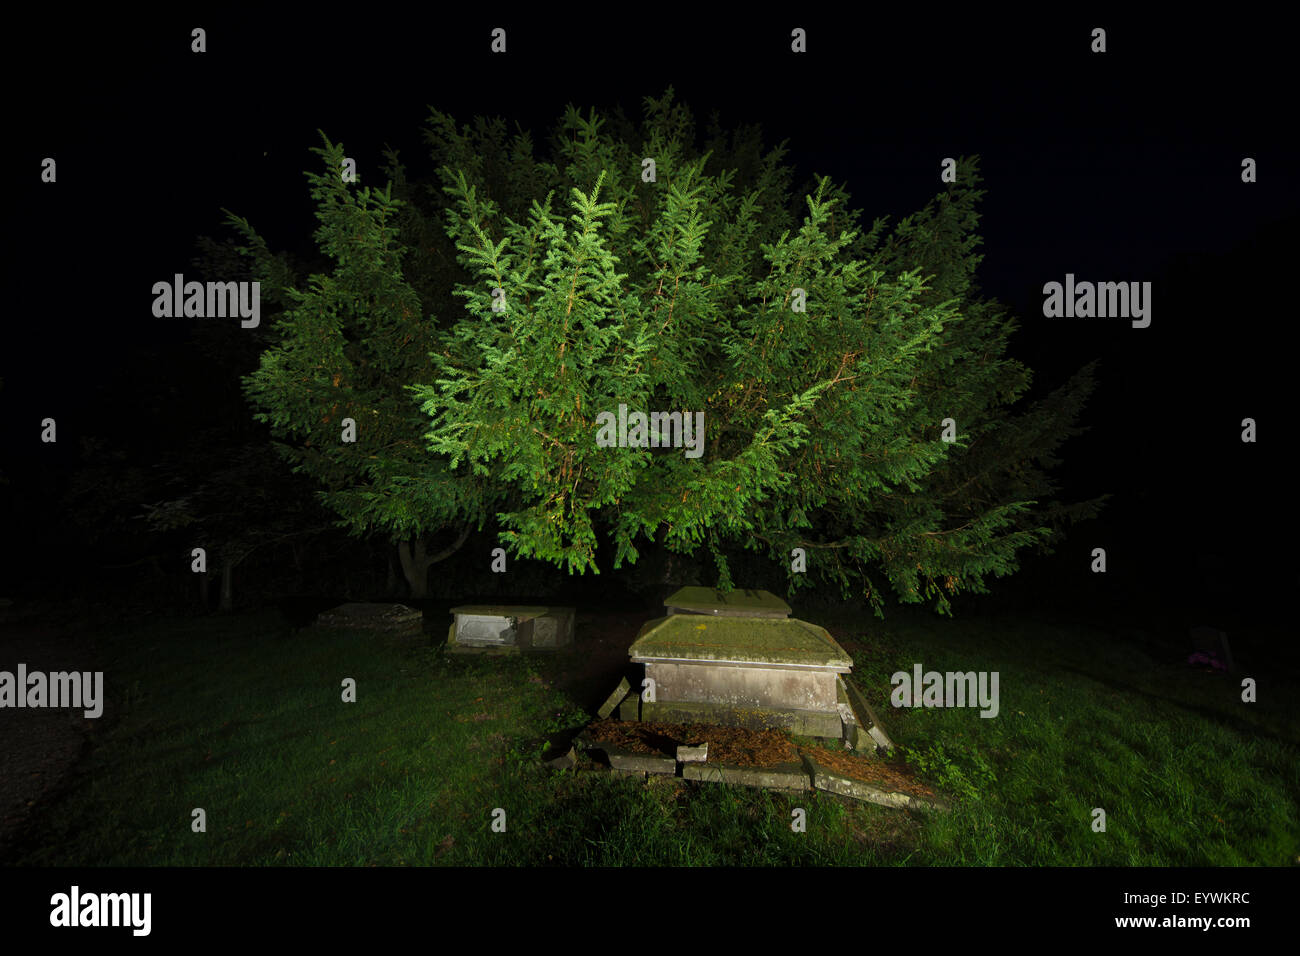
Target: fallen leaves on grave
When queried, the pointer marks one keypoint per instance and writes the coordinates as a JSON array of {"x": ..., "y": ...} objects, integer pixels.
[
  {"x": 740, "y": 747},
  {"x": 869, "y": 769},
  {"x": 735, "y": 746}
]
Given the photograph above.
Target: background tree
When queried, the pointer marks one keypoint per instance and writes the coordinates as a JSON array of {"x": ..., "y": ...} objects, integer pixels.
[
  {"x": 347, "y": 344},
  {"x": 235, "y": 505},
  {"x": 170, "y": 464}
]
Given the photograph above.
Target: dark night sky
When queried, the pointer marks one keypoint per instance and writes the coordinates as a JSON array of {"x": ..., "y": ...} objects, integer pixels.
[{"x": 1117, "y": 167}]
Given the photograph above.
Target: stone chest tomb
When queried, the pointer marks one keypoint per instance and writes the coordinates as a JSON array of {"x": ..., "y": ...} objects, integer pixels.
[
  {"x": 741, "y": 669},
  {"x": 508, "y": 627}
]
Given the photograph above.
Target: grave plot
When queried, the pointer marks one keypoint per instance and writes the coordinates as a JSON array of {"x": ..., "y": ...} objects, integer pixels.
[
  {"x": 766, "y": 758},
  {"x": 395, "y": 621},
  {"x": 507, "y": 628},
  {"x": 737, "y": 659},
  {"x": 868, "y": 778},
  {"x": 741, "y": 671},
  {"x": 728, "y": 678}
]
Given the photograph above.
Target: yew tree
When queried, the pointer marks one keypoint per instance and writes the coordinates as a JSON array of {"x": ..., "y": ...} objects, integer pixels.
[{"x": 863, "y": 425}]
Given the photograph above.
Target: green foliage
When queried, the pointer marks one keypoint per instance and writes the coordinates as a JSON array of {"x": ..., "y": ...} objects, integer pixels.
[
  {"x": 347, "y": 345},
  {"x": 822, "y": 426},
  {"x": 964, "y": 771}
]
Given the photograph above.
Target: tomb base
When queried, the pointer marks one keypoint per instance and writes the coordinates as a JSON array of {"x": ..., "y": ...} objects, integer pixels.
[{"x": 807, "y": 723}]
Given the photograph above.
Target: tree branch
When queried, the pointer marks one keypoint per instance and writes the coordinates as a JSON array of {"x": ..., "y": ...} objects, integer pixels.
[{"x": 448, "y": 552}]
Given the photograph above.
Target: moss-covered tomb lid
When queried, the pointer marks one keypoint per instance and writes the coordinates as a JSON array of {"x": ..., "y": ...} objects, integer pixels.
[
  {"x": 763, "y": 642},
  {"x": 737, "y": 603}
]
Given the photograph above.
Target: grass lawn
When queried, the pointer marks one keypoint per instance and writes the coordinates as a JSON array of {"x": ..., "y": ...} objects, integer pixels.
[{"x": 229, "y": 715}]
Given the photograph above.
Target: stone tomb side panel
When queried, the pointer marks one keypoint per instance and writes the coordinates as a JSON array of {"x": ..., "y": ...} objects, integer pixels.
[{"x": 739, "y": 686}]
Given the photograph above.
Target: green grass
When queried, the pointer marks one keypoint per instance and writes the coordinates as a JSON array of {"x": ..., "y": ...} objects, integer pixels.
[{"x": 228, "y": 715}]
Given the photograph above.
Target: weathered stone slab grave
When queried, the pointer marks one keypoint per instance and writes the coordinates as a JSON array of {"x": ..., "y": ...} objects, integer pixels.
[
  {"x": 507, "y": 628},
  {"x": 395, "y": 620}
]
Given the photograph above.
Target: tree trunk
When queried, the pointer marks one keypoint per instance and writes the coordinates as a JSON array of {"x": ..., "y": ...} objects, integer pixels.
[
  {"x": 416, "y": 561},
  {"x": 390, "y": 586},
  {"x": 415, "y": 566}
]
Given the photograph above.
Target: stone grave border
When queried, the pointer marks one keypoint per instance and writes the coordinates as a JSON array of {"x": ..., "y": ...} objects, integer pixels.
[{"x": 801, "y": 777}]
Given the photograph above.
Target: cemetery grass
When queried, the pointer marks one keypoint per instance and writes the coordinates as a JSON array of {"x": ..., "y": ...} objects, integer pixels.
[{"x": 233, "y": 716}]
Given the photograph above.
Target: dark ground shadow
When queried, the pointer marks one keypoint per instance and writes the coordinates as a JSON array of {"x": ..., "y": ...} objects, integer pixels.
[
  {"x": 1243, "y": 727},
  {"x": 41, "y": 747}
]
